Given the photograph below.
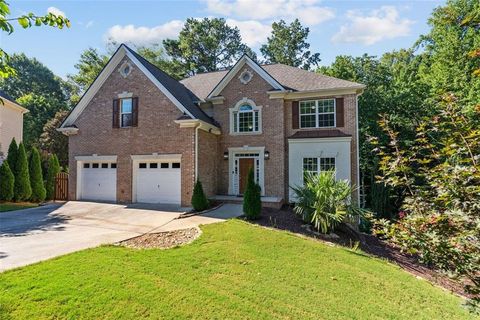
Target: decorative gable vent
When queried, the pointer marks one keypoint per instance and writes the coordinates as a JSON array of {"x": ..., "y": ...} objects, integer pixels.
[
  {"x": 125, "y": 69},
  {"x": 246, "y": 76}
]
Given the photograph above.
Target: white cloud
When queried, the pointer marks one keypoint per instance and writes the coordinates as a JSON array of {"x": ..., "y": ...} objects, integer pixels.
[
  {"x": 309, "y": 12},
  {"x": 253, "y": 32},
  {"x": 144, "y": 35},
  {"x": 56, "y": 11},
  {"x": 89, "y": 24},
  {"x": 381, "y": 24}
]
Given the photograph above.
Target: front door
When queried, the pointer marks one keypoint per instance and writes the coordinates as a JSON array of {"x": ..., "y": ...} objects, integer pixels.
[{"x": 244, "y": 166}]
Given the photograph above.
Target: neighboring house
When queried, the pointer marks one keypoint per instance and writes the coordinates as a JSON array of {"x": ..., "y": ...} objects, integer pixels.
[
  {"x": 138, "y": 135},
  {"x": 11, "y": 123}
]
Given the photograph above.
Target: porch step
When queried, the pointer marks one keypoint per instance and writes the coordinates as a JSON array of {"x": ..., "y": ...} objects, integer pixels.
[{"x": 271, "y": 202}]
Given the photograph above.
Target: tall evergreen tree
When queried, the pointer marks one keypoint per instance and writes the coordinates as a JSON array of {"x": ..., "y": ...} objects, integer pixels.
[
  {"x": 7, "y": 182},
  {"x": 52, "y": 171},
  {"x": 36, "y": 177},
  {"x": 23, "y": 190},
  {"x": 12, "y": 155}
]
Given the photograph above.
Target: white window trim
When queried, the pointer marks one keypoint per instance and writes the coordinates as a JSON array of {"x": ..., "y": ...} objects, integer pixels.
[
  {"x": 318, "y": 162},
  {"x": 122, "y": 113},
  {"x": 317, "y": 114},
  {"x": 234, "y": 112}
]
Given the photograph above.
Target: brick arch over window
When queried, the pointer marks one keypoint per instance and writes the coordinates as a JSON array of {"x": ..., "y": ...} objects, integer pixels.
[{"x": 246, "y": 117}]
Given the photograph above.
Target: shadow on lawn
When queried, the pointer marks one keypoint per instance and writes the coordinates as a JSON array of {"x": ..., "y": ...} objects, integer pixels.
[
  {"x": 22, "y": 222},
  {"x": 286, "y": 219}
]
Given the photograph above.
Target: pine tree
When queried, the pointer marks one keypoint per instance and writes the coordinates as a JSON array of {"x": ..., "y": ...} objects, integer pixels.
[
  {"x": 52, "y": 171},
  {"x": 7, "y": 181},
  {"x": 12, "y": 155},
  {"x": 23, "y": 190},
  {"x": 199, "y": 200},
  {"x": 36, "y": 177},
  {"x": 252, "y": 203}
]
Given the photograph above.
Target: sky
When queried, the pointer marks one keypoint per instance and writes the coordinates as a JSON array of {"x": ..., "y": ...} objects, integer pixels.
[{"x": 350, "y": 27}]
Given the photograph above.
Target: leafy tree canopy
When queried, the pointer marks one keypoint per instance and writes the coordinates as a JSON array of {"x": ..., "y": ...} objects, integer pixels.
[
  {"x": 288, "y": 45},
  {"x": 206, "y": 45}
]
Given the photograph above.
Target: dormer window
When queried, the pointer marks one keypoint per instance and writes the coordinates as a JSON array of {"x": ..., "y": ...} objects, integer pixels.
[{"x": 245, "y": 118}]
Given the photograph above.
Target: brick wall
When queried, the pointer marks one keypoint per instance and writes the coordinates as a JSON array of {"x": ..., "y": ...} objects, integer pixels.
[
  {"x": 272, "y": 136},
  {"x": 156, "y": 132},
  {"x": 208, "y": 157}
]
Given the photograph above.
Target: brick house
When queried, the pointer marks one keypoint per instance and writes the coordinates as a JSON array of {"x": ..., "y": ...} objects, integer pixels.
[{"x": 138, "y": 135}]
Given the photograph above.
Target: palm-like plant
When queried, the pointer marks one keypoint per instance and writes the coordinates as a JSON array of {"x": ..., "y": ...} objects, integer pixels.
[{"x": 324, "y": 201}]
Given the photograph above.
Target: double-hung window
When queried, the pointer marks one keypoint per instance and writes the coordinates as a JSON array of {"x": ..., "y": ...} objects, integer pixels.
[
  {"x": 246, "y": 119},
  {"x": 316, "y": 165},
  {"x": 126, "y": 112},
  {"x": 317, "y": 113}
]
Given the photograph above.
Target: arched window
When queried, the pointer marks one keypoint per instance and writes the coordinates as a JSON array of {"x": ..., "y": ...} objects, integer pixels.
[{"x": 245, "y": 117}]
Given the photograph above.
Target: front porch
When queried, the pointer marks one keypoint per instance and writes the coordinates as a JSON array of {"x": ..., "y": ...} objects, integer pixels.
[{"x": 270, "y": 202}]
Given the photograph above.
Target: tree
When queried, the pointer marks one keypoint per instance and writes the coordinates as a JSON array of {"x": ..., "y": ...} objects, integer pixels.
[
  {"x": 12, "y": 154},
  {"x": 205, "y": 45},
  {"x": 38, "y": 89},
  {"x": 36, "y": 177},
  {"x": 25, "y": 20},
  {"x": 157, "y": 56},
  {"x": 288, "y": 45},
  {"x": 252, "y": 203},
  {"x": 23, "y": 190},
  {"x": 7, "y": 181},
  {"x": 199, "y": 200},
  {"x": 54, "y": 142},
  {"x": 439, "y": 175},
  {"x": 52, "y": 171}
]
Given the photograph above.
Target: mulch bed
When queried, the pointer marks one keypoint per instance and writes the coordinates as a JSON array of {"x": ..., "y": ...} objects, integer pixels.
[
  {"x": 286, "y": 219},
  {"x": 162, "y": 240}
]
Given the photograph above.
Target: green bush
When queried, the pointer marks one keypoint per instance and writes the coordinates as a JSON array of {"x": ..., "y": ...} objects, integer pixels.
[
  {"x": 23, "y": 190},
  {"x": 52, "y": 171},
  {"x": 199, "y": 200},
  {"x": 12, "y": 155},
  {"x": 36, "y": 177},
  {"x": 7, "y": 181},
  {"x": 324, "y": 201},
  {"x": 252, "y": 204}
]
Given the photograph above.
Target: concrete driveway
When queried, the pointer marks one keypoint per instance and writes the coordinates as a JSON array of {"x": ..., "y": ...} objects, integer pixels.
[{"x": 32, "y": 235}]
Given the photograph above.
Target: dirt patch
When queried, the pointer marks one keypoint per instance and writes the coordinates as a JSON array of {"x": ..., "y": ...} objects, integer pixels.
[
  {"x": 286, "y": 219},
  {"x": 162, "y": 240}
]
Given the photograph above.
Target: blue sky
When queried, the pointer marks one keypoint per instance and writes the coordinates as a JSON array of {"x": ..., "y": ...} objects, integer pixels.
[{"x": 337, "y": 27}]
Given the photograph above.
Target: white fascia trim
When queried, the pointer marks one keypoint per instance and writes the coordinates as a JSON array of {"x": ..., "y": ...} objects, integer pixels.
[
  {"x": 158, "y": 84},
  {"x": 13, "y": 105},
  {"x": 314, "y": 93},
  {"x": 194, "y": 123},
  {"x": 96, "y": 158},
  {"x": 236, "y": 68},
  {"x": 317, "y": 140},
  {"x": 103, "y": 76},
  {"x": 153, "y": 157}
]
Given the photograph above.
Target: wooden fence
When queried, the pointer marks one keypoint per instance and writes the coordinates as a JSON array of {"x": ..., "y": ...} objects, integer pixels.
[{"x": 61, "y": 186}]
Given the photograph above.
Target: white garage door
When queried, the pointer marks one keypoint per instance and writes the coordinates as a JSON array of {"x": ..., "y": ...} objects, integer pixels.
[
  {"x": 99, "y": 181},
  {"x": 158, "y": 182}
]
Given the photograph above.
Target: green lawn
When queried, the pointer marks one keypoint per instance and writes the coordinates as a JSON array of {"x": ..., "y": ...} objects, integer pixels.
[
  {"x": 233, "y": 271},
  {"x": 10, "y": 206}
]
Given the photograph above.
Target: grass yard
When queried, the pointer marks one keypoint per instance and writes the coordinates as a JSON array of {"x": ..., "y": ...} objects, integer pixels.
[
  {"x": 10, "y": 206},
  {"x": 233, "y": 271}
]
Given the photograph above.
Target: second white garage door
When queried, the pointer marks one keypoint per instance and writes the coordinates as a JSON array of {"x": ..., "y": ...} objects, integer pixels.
[{"x": 158, "y": 182}]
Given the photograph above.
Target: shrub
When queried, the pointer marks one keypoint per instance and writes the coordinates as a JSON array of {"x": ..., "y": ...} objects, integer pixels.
[
  {"x": 252, "y": 203},
  {"x": 324, "y": 201},
  {"x": 199, "y": 200},
  {"x": 23, "y": 190},
  {"x": 52, "y": 171},
  {"x": 7, "y": 181},
  {"x": 36, "y": 177},
  {"x": 12, "y": 155}
]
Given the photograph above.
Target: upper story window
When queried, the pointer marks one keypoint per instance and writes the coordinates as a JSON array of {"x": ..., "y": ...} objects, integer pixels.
[
  {"x": 126, "y": 112},
  {"x": 245, "y": 118},
  {"x": 317, "y": 113}
]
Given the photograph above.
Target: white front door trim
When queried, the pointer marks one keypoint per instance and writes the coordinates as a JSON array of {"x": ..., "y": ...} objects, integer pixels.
[{"x": 234, "y": 154}]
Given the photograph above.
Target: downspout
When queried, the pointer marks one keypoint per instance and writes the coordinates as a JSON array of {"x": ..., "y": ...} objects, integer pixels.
[
  {"x": 358, "y": 148},
  {"x": 196, "y": 152}
]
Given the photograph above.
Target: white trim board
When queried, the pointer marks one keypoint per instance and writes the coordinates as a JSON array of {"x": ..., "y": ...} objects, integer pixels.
[
  {"x": 111, "y": 66},
  {"x": 236, "y": 68}
]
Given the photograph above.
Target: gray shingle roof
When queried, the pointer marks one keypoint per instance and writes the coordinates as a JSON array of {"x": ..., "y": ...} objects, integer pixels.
[{"x": 290, "y": 77}]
